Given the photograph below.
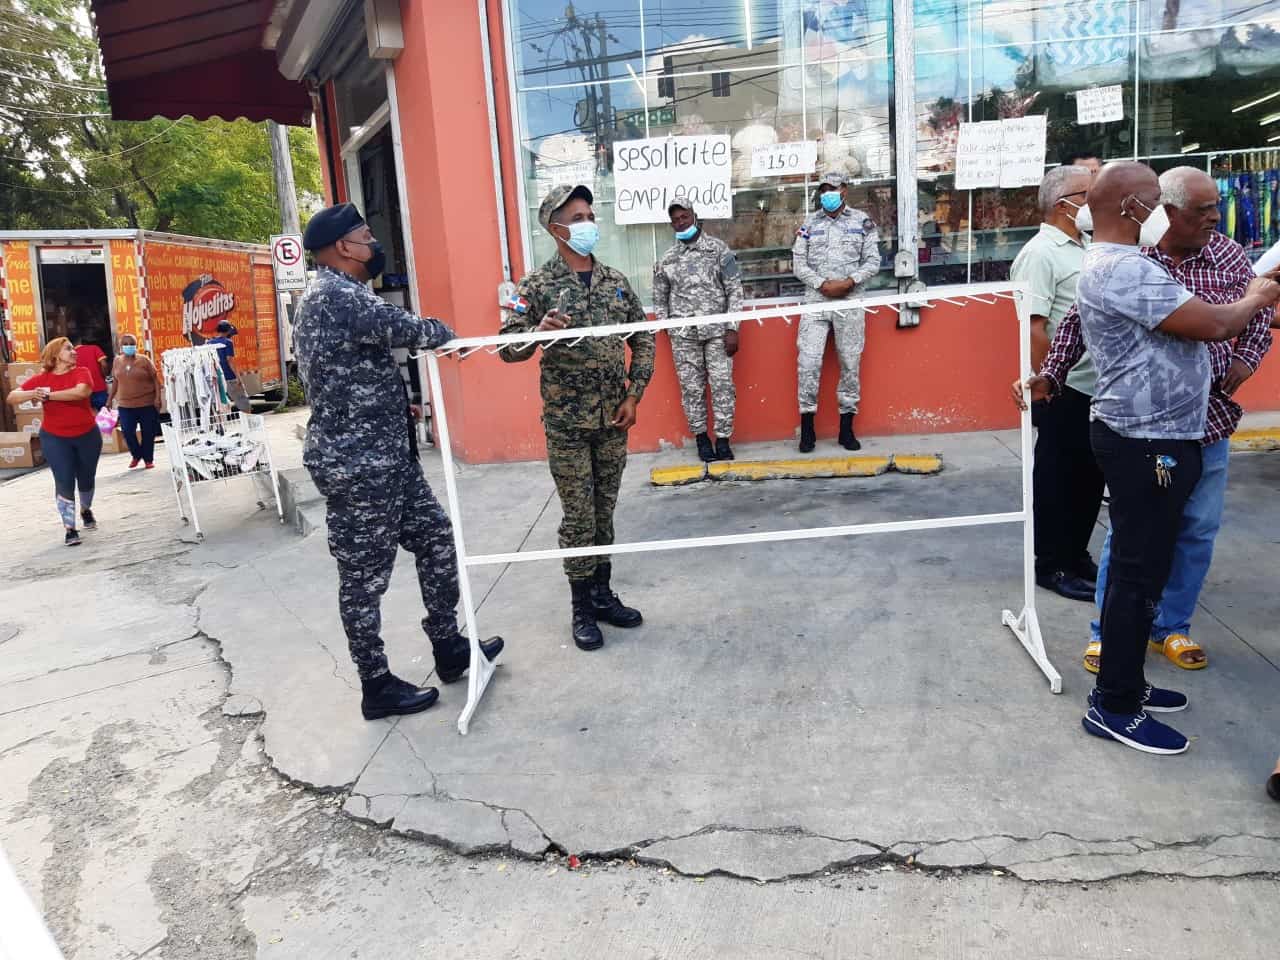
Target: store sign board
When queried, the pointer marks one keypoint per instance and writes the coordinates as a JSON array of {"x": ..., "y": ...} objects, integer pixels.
[
  {"x": 650, "y": 174},
  {"x": 1100, "y": 104},
  {"x": 288, "y": 262},
  {"x": 978, "y": 155},
  {"x": 1001, "y": 153},
  {"x": 1022, "y": 150},
  {"x": 784, "y": 159}
]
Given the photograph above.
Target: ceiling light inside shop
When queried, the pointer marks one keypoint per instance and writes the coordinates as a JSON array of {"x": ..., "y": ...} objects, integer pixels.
[
  {"x": 1273, "y": 139},
  {"x": 1254, "y": 103},
  {"x": 1190, "y": 146},
  {"x": 1269, "y": 118}
]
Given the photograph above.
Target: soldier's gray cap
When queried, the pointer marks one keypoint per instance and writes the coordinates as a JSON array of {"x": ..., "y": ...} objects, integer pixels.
[
  {"x": 681, "y": 204},
  {"x": 557, "y": 198},
  {"x": 833, "y": 178}
]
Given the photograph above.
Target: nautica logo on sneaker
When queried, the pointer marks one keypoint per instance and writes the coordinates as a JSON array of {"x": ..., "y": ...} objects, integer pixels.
[{"x": 1136, "y": 723}]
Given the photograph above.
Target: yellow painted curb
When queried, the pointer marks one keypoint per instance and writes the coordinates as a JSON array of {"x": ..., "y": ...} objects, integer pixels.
[
  {"x": 917, "y": 462},
  {"x": 677, "y": 476},
  {"x": 1266, "y": 438},
  {"x": 817, "y": 467}
]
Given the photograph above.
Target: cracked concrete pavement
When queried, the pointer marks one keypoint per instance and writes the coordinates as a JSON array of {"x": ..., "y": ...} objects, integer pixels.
[{"x": 183, "y": 771}]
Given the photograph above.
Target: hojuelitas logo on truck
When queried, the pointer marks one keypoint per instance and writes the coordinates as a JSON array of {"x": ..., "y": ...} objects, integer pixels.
[{"x": 205, "y": 304}]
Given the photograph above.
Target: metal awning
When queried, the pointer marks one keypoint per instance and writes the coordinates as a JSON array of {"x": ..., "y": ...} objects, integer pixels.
[{"x": 203, "y": 58}]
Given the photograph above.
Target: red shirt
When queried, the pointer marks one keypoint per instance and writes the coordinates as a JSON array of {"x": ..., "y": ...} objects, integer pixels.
[
  {"x": 87, "y": 356},
  {"x": 64, "y": 418}
]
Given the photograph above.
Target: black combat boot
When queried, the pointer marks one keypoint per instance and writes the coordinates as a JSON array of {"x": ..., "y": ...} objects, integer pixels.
[
  {"x": 389, "y": 696},
  {"x": 453, "y": 656},
  {"x": 606, "y": 604},
  {"x": 808, "y": 436},
  {"x": 586, "y": 635},
  {"x": 723, "y": 450},
  {"x": 847, "y": 439},
  {"x": 705, "y": 451}
]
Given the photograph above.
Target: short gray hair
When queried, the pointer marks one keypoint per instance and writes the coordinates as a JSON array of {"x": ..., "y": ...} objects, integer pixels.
[
  {"x": 1175, "y": 183},
  {"x": 1054, "y": 185}
]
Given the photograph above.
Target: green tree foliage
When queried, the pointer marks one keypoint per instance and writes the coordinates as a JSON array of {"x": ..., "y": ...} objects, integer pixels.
[{"x": 64, "y": 164}]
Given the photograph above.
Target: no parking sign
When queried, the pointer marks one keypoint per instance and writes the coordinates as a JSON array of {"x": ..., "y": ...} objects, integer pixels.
[{"x": 287, "y": 262}]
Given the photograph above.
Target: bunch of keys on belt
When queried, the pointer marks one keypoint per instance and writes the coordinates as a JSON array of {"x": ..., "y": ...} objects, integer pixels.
[{"x": 1164, "y": 469}]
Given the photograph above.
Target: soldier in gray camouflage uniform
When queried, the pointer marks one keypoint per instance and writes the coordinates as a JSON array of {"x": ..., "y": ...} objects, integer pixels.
[
  {"x": 696, "y": 277},
  {"x": 588, "y": 405},
  {"x": 357, "y": 451},
  {"x": 836, "y": 251}
]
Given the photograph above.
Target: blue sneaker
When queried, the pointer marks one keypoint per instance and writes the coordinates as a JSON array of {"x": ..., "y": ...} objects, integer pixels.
[
  {"x": 1157, "y": 700},
  {"x": 1137, "y": 730}
]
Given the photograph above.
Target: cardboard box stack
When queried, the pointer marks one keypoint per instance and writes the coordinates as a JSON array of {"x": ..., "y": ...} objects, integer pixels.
[{"x": 20, "y": 450}]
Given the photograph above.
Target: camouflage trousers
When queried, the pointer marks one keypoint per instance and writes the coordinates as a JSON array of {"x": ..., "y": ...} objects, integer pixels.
[
  {"x": 850, "y": 328},
  {"x": 369, "y": 520},
  {"x": 587, "y": 467},
  {"x": 703, "y": 364}
]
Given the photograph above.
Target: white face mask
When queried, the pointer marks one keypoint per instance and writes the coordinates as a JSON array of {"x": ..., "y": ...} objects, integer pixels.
[
  {"x": 1083, "y": 217},
  {"x": 1154, "y": 227}
]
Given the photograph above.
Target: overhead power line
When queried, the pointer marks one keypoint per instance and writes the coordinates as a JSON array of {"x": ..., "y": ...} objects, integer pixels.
[
  {"x": 23, "y": 108},
  {"x": 102, "y": 156},
  {"x": 83, "y": 190},
  {"x": 53, "y": 83}
]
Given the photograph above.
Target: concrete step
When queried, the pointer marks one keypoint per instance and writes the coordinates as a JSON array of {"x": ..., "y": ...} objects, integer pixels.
[{"x": 303, "y": 505}]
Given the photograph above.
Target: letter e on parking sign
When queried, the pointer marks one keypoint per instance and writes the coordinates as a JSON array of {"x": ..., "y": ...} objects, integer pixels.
[{"x": 288, "y": 263}]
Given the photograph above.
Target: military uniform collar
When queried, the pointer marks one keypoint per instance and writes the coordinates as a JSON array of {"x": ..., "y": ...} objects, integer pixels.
[{"x": 341, "y": 274}]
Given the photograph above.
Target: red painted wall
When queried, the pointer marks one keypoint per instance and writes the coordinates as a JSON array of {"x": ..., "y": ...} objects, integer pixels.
[{"x": 950, "y": 374}]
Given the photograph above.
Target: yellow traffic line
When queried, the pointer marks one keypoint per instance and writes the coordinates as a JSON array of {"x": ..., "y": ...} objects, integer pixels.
[
  {"x": 917, "y": 462},
  {"x": 1261, "y": 439},
  {"x": 677, "y": 476},
  {"x": 818, "y": 467}
]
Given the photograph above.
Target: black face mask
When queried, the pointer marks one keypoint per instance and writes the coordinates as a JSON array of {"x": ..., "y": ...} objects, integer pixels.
[{"x": 377, "y": 261}]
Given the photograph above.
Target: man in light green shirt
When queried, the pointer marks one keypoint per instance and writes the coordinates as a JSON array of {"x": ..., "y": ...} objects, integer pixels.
[{"x": 1067, "y": 482}]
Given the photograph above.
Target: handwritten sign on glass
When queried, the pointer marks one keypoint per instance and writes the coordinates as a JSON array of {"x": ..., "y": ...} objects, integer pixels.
[
  {"x": 649, "y": 174},
  {"x": 1022, "y": 148},
  {"x": 784, "y": 159},
  {"x": 978, "y": 155},
  {"x": 1100, "y": 104}
]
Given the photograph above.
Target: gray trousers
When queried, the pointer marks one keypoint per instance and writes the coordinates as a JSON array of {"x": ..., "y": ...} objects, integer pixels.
[
  {"x": 703, "y": 364},
  {"x": 850, "y": 328}
]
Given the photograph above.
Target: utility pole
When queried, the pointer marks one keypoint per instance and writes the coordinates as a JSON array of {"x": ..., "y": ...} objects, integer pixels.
[{"x": 287, "y": 197}]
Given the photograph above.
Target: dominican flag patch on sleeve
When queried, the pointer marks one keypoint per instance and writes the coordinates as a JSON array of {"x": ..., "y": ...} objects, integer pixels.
[
  {"x": 517, "y": 304},
  {"x": 803, "y": 232}
]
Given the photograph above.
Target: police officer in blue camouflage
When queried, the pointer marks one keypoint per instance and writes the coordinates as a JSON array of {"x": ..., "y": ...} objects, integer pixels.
[
  {"x": 837, "y": 250},
  {"x": 357, "y": 451}
]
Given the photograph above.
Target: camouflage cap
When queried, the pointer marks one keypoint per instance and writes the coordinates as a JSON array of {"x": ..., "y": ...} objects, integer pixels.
[
  {"x": 557, "y": 198},
  {"x": 833, "y": 178},
  {"x": 680, "y": 203}
]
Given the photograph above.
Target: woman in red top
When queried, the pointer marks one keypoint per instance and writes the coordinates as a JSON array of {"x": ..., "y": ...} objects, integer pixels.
[
  {"x": 89, "y": 356},
  {"x": 69, "y": 435}
]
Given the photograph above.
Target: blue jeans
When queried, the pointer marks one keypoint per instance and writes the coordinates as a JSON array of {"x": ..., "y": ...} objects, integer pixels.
[{"x": 1201, "y": 518}]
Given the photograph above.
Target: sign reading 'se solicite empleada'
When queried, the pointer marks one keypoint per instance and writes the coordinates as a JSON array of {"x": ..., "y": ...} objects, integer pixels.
[{"x": 649, "y": 175}]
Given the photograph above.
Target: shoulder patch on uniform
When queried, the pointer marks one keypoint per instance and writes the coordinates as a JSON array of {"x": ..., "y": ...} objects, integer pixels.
[
  {"x": 867, "y": 224},
  {"x": 803, "y": 232},
  {"x": 621, "y": 294},
  {"x": 729, "y": 265},
  {"x": 517, "y": 304}
]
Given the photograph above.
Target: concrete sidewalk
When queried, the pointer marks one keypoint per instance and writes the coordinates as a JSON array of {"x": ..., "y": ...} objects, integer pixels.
[
  {"x": 846, "y": 713},
  {"x": 785, "y": 707}
]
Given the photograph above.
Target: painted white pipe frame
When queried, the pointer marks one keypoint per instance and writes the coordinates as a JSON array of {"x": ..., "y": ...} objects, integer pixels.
[
  {"x": 23, "y": 935},
  {"x": 1025, "y": 625}
]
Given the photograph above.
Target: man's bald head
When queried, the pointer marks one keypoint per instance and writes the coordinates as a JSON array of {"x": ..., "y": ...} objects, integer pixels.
[{"x": 1121, "y": 197}]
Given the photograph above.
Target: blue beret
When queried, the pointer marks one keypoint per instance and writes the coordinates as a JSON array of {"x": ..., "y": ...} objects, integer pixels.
[{"x": 331, "y": 225}]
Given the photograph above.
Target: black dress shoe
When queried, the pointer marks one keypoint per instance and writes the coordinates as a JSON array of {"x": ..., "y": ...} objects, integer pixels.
[
  {"x": 1086, "y": 570},
  {"x": 389, "y": 696},
  {"x": 1065, "y": 585},
  {"x": 453, "y": 657}
]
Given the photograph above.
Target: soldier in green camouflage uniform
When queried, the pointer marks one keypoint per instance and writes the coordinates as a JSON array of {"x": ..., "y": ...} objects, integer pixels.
[
  {"x": 589, "y": 395},
  {"x": 696, "y": 277},
  {"x": 837, "y": 250}
]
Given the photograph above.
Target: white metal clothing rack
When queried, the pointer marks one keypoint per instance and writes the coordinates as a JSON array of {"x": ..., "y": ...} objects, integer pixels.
[
  {"x": 1025, "y": 625},
  {"x": 206, "y": 438}
]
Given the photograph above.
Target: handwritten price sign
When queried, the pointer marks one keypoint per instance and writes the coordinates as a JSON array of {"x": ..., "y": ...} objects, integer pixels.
[{"x": 784, "y": 159}]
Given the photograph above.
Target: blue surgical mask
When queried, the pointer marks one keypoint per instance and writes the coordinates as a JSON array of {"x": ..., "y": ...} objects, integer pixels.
[
  {"x": 688, "y": 233},
  {"x": 583, "y": 236},
  {"x": 830, "y": 200},
  {"x": 129, "y": 349}
]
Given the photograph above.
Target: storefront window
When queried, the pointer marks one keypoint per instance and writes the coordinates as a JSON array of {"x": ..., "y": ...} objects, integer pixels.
[{"x": 760, "y": 72}]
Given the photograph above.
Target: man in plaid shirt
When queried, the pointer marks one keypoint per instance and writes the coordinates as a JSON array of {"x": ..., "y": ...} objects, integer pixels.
[{"x": 1216, "y": 270}]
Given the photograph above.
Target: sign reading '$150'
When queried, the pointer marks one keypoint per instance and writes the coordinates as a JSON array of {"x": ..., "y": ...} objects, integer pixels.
[{"x": 648, "y": 175}]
